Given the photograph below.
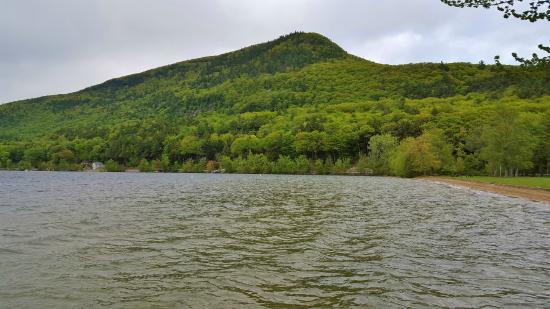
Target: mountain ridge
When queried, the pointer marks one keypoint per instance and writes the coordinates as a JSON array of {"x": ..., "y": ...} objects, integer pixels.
[
  {"x": 301, "y": 85},
  {"x": 292, "y": 37},
  {"x": 295, "y": 35},
  {"x": 308, "y": 48}
]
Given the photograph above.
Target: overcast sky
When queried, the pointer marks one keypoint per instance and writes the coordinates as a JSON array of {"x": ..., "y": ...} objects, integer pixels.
[{"x": 59, "y": 46}]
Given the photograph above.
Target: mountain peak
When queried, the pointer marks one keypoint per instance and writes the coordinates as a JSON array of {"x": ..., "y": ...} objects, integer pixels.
[
  {"x": 287, "y": 53},
  {"x": 293, "y": 50},
  {"x": 312, "y": 38}
]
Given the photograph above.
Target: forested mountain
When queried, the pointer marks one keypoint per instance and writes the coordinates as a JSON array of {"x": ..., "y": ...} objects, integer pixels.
[{"x": 298, "y": 104}]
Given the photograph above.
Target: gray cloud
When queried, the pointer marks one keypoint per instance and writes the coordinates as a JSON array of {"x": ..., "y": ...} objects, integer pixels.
[{"x": 59, "y": 46}]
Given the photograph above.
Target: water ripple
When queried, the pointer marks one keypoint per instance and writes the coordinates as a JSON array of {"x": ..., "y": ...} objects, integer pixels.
[{"x": 183, "y": 240}]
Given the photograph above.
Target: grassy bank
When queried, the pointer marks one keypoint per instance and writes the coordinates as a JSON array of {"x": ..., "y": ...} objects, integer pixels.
[{"x": 529, "y": 182}]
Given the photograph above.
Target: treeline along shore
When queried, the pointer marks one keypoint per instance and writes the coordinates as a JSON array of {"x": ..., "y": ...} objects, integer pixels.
[{"x": 296, "y": 105}]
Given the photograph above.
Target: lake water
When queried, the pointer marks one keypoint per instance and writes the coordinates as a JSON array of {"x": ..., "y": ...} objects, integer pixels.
[{"x": 209, "y": 240}]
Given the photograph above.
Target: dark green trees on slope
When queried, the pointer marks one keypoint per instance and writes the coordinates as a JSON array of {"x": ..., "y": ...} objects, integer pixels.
[{"x": 298, "y": 104}]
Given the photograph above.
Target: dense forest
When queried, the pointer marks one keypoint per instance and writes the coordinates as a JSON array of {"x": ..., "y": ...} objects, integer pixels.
[{"x": 298, "y": 104}]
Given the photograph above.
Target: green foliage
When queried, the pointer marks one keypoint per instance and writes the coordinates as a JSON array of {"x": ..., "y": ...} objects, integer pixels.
[
  {"x": 508, "y": 143},
  {"x": 311, "y": 143},
  {"x": 244, "y": 145},
  {"x": 284, "y": 165},
  {"x": 112, "y": 166},
  {"x": 144, "y": 166},
  {"x": 190, "y": 146},
  {"x": 296, "y": 105},
  {"x": 381, "y": 149},
  {"x": 423, "y": 155}
]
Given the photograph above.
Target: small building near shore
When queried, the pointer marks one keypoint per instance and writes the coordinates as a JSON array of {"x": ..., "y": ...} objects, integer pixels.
[{"x": 97, "y": 166}]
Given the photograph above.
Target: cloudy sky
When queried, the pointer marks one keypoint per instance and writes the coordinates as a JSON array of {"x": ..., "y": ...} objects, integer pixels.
[{"x": 59, "y": 46}]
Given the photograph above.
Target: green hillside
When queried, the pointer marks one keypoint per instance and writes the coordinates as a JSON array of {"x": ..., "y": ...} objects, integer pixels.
[{"x": 298, "y": 104}]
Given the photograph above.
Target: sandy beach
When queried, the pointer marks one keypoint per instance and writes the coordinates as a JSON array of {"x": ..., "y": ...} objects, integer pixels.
[{"x": 533, "y": 194}]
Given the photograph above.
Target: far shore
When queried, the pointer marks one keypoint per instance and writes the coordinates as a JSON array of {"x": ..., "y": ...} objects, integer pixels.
[{"x": 533, "y": 194}]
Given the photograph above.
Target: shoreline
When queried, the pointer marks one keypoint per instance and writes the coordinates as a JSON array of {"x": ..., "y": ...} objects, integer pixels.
[{"x": 532, "y": 194}]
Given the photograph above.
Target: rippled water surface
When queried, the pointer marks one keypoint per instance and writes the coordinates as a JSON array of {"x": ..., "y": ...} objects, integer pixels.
[{"x": 184, "y": 240}]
